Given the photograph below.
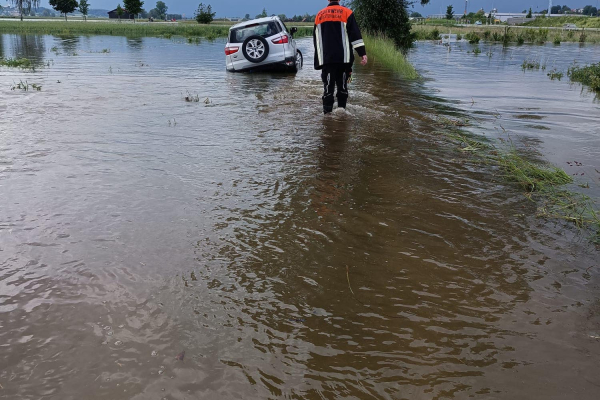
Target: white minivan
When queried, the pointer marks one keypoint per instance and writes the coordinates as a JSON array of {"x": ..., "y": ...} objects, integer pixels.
[{"x": 263, "y": 43}]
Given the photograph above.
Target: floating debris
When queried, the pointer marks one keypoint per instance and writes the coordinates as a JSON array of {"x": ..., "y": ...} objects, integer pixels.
[
  {"x": 190, "y": 98},
  {"x": 180, "y": 356}
]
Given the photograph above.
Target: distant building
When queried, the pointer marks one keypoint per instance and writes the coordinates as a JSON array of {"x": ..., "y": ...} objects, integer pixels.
[{"x": 113, "y": 14}]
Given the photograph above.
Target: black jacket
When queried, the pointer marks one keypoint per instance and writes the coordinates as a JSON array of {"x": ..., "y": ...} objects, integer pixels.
[{"x": 335, "y": 35}]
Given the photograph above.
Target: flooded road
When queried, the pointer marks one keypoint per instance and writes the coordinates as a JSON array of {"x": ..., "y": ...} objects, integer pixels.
[{"x": 288, "y": 254}]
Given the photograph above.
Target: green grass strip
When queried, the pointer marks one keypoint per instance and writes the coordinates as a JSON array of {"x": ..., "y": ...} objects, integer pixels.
[
  {"x": 383, "y": 51},
  {"x": 62, "y": 28},
  {"x": 558, "y": 22}
]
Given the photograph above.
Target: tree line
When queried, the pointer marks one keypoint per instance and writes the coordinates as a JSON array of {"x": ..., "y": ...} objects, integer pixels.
[{"x": 587, "y": 10}]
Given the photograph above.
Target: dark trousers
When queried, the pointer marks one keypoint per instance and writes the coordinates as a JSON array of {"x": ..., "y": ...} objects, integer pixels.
[{"x": 335, "y": 75}]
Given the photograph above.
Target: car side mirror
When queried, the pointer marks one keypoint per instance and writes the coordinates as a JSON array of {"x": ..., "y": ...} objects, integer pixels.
[{"x": 293, "y": 30}]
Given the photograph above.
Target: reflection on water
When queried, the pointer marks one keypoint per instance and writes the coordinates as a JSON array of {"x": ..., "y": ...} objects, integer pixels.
[
  {"x": 290, "y": 255},
  {"x": 69, "y": 44},
  {"x": 31, "y": 47}
]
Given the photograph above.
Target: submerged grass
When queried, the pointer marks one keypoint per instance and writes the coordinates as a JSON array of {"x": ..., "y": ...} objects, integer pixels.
[
  {"x": 16, "y": 63},
  {"x": 383, "y": 50},
  {"x": 540, "y": 181},
  {"x": 533, "y": 177},
  {"x": 587, "y": 75}
]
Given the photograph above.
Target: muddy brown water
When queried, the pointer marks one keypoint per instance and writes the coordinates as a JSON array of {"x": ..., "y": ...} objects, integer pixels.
[{"x": 287, "y": 254}]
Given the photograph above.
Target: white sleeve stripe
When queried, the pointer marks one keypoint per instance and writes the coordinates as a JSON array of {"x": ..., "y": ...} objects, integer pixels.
[{"x": 357, "y": 43}]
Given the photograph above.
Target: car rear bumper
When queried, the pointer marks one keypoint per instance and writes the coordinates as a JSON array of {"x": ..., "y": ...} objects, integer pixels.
[{"x": 285, "y": 65}]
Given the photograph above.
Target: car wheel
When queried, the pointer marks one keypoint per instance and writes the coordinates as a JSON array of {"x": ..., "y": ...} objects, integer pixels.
[
  {"x": 299, "y": 61},
  {"x": 255, "y": 49}
]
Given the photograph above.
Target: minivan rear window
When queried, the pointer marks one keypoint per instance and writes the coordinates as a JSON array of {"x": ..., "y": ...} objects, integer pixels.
[{"x": 266, "y": 29}]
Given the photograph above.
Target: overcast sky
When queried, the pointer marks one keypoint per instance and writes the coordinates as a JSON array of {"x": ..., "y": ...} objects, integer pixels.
[{"x": 239, "y": 8}]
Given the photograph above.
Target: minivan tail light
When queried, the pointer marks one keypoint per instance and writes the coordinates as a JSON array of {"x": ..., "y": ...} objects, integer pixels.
[
  {"x": 281, "y": 40},
  {"x": 231, "y": 50}
]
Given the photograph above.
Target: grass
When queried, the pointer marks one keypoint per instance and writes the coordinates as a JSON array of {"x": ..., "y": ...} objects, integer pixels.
[
  {"x": 529, "y": 64},
  {"x": 190, "y": 98},
  {"x": 24, "y": 86},
  {"x": 587, "y": 75},
  {"x": 530, "y": 176},
  {"x": 506, "y": 35},
  {"x": 472, "y": 37},
  {"x": 112, "y": 28},
  {"x": 383, "y": 51},
  {"x": 558, "y": 22},
  {"x": 540, "y": 181},
  {"x": 555, "y": 74},
  {"x": 16, "y": 63},
  {"x": 124, "y": 29}
]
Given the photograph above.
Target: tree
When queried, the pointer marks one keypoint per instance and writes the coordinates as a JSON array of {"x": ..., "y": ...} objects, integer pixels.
[
  {"x": 247, "y": 17},
  {"x": 282, "y": 17},
  {"x": 529, "y": 14},
  {"x": 263, "y": 14},
  {"x": 204, "y": 14},
  {"x": 84, "y": 8},
  {"x": 450, "y": 12},
  {"x": 590, "y": 10},
  {"x": 119, "y": 12},
  {"x": 386, "y": 17},
  {"x": 25, "y": 6},
  {"x": 64, "y": 6},
  {"x": 161, "y": 8},
  {"x": 133, "y": 7},
  {"x": 555, "y": 10},
  {"x": 415, "y": 14}
]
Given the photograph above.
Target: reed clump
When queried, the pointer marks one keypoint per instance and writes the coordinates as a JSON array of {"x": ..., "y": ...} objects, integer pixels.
[
  {"x": 587, "y": 75},
  {"x": 558, "y": 22}
]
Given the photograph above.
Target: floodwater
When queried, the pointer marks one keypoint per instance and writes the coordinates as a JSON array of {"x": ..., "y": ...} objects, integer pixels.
[{"x": 288, "y": 254}]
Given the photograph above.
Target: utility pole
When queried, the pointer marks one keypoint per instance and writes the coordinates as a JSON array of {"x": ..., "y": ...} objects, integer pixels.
[
  {"x": 550, "y": 8},
  {"x": 466, "y": 6}
]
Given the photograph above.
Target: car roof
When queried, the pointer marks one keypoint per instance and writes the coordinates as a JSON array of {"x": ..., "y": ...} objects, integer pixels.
[{"x": 254, "y": 21}]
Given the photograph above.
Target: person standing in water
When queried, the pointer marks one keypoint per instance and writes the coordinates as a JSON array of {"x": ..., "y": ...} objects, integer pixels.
[{"x": 336, "y": 35}]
